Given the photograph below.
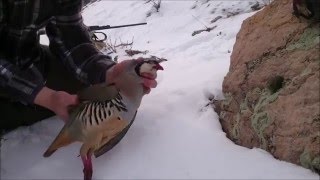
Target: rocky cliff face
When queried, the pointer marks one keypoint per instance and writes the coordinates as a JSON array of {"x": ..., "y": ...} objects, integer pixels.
[{"x": 272, "y": 97}]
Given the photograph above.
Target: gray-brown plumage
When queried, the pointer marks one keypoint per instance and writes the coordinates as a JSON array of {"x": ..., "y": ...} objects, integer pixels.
[{"x": 106, "y": 109}]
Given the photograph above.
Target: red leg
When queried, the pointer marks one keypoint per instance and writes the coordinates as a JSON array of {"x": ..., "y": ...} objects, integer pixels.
[{"x": 87, "y": 166}]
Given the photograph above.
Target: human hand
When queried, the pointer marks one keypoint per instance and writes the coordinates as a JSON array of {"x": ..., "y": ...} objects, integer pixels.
[{"x": 56, "y": 101}]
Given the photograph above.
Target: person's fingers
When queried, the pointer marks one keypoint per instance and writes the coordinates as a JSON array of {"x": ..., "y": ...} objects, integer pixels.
[
  {"x": 66, "y": 100},
  {"x": 150, "y": 83},
  {"x": 74, "y": 99},
  {"x": 146, "y": 90}
]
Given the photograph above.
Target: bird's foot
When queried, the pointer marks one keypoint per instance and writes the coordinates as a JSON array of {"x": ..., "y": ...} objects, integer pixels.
[
  {"x": 87, "y": 166},
  {"x": 87, "y": 174}
]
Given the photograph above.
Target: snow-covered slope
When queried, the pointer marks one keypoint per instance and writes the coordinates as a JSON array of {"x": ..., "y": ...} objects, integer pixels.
[{"x": 175, "y": 135}]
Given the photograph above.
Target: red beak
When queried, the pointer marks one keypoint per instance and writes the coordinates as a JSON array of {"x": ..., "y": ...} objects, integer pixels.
[{"x": 158, "y": 67}]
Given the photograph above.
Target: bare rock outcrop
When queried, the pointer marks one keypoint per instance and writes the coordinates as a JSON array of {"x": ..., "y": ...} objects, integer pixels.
[{"x": 272, "y": 89}]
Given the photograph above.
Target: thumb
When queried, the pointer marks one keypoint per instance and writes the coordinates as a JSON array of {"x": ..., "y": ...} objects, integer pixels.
[
  {"x": 73, "y": 99},
  {"x": 110, "y": 75}
]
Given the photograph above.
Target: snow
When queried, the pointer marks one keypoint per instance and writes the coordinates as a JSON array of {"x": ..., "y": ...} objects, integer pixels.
[{"x": 175, "y": 135}]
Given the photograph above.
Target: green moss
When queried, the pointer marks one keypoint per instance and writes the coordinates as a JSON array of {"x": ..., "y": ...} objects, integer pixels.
[
  {"x": 316, "y": 164},
  {"x": 306, "y": 72},
  {"x": 308, "y": 39},
  {"x": 236, "y": 130},
  {"x": 307, "y": 161},
  {"x": 255, "y": 92},
  {"x": 260, "y": 119},
  {"x": 224, "y": 104},
  {"x": 244, "y": 105},
  {"x": 253, "y": 64},
  {"x": 227, "y": 99},
  {"x": 259, "y": 122},
  {"x": 222, "y": 114}
]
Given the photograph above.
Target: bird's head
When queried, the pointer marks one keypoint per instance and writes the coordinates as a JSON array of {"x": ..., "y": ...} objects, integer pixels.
[{"x": 131, "y": 75}]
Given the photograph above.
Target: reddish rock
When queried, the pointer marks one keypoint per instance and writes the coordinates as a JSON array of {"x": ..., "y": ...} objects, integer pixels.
[{"x": 272, "y": 97}]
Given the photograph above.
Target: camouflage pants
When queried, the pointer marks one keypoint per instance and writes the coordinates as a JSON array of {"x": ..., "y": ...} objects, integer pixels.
[{"x": 15, "y": 114}]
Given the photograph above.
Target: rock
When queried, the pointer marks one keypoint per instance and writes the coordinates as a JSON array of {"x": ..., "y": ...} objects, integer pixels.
[
  {"x": 256, "y": 6},
  {"x": 272, "y": 98},
  {"x": 216, "y": 19}
]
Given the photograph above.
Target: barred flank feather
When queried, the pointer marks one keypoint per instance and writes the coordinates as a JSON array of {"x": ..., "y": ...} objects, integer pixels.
[{"x": 96, "y": 112}]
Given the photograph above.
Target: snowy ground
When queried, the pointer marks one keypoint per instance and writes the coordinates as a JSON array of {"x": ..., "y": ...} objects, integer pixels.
[{"x": 175, "y": 134}]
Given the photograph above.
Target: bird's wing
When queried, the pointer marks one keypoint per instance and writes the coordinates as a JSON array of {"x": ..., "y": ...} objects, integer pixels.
[
  {"x": 98, "y": 92},
  {"x": 64, "y": 137},
  {"x": 114, "y": 140}
]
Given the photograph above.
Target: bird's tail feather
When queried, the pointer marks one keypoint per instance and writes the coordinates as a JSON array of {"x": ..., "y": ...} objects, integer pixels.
[
  {"x": 49, "y": 152},
  {"x": 61, "y": 140}
]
